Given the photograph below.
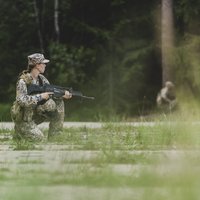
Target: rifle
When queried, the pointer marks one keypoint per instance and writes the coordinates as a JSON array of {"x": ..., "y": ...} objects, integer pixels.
[{"x": 58, "y": 91}]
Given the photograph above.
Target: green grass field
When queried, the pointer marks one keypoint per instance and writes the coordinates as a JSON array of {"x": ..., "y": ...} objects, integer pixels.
[{"x": 109, "y": 163}]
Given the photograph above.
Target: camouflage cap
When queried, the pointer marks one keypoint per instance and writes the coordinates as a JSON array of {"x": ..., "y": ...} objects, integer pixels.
[{"x": 37, "y": 58}]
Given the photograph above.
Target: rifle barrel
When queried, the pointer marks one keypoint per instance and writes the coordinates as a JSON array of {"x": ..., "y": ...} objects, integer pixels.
[{"x": 86, "y": 97}]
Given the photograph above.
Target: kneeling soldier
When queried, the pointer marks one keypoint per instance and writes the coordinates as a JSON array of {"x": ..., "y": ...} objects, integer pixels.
[
  {"x": 166, "y": 98},
  {"x": 30, "y": 110}
]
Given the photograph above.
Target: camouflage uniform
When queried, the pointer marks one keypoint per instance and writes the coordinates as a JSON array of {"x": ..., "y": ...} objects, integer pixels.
[
  {"x": 166, "y": 98},
  {"x": 27, "y": 114}
]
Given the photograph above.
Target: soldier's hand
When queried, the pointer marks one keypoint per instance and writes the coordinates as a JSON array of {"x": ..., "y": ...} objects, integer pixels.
[
  {"x": 67, "y": 95},
  {"x": 46, "y": 95}
]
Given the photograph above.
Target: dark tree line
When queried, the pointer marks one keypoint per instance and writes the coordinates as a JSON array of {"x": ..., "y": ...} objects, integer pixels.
[{"x": 108, "y": 48}]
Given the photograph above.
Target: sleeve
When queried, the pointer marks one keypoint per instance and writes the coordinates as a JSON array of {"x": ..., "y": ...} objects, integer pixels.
[{"x": 23, "y": 98}]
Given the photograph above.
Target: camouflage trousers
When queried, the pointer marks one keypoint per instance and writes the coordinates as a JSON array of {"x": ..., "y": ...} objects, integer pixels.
[{"x": 27, "y": 127}]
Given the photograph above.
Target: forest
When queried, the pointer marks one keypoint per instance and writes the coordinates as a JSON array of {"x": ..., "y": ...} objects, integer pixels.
[{"x": 114, "y": 50}]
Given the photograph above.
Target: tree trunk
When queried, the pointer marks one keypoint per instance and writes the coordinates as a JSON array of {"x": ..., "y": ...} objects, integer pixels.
[
  {"x": 167, "y": 37},
  {"x": 38, "y": 26},
  {"x": 56, "y": 20}
]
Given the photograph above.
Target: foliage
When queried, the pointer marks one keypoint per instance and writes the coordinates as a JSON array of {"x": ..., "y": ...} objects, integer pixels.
[
  {"x": 5, "y": 112},
  {"x": 106, "y": 48},
  {"x": 187, "y": 65},
  {"x": 69, "y": 64}
]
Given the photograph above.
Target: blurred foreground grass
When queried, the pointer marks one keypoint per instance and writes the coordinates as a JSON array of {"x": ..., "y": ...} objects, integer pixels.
[{"x": 159, "y": 161}]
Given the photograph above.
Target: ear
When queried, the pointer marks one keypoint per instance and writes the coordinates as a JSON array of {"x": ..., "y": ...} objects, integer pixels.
[{"x": 37, "y": 66}]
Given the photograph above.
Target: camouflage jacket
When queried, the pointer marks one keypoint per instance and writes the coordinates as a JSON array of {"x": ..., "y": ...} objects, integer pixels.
[{"x": 22, "y": 98}]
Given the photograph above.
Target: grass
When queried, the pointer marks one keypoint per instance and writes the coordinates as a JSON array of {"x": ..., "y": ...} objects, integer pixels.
[{"x": 148, "y": 162}]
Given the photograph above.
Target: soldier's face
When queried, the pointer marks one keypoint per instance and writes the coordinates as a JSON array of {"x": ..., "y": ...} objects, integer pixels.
[{"x": 41, "y": 67}]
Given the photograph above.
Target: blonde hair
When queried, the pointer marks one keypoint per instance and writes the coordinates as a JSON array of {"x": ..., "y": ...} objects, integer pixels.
[{"x": 28, "y": 70}]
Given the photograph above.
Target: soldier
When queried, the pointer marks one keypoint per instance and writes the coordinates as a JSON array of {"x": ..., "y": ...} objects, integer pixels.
[
  {"x": 27, "y": 112},
  {"x": 166, "y": 97}
]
